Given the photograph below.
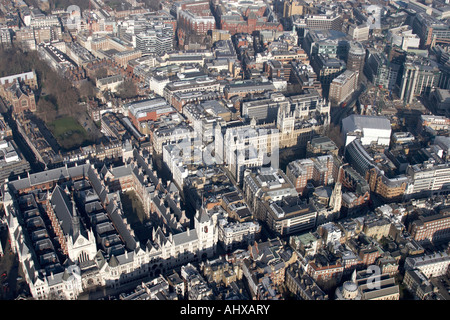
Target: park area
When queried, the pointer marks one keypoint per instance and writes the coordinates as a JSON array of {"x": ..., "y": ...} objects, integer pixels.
[{"x": 68, "y": 132}]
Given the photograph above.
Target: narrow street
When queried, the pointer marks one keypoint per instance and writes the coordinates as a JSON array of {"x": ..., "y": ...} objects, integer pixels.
[
  {"x": 12, "y": 282},
  {"x": 339, "y": 113},
  {"x": 19, "y": 140}
]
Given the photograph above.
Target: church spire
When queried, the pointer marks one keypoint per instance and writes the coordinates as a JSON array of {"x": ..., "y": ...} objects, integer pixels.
[{"x": 75, "y": 220}]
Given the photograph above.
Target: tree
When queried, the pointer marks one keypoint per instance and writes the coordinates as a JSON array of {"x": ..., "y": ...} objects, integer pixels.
[
  {"x": 14, "y": 61},
  {"x": 101, "y": 73},
  {"x": 87, "y": 90},
  {"x": 154, "y": 5},
  {"x": 126, "y": 90},
  {"x": 61, "y": 97},
  {"x": 63, "y": 4},
  {"x": 46, "y": 110}
]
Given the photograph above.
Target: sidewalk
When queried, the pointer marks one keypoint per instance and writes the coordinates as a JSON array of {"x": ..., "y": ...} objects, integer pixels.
[{"x": 10, "y": 287}]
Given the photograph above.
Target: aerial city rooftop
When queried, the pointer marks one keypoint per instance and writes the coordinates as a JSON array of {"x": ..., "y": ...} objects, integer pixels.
[{"x": 224, "y": 150}]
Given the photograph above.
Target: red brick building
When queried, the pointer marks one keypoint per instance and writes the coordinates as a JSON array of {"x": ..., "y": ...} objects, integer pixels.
[
  {"x": 431, "y": 228},
  {"x": 352, "y": 264},
  {"x": 148, "y": 110},
  {"x": 196, "y": 22},
  {"x": 324, "y": 274},
  {"x": 195, "y": 6},
  {"x": 318, "y": 170},
  {"x": 251, "y": 20},
  {"x": 370, "y": 255},
  {"x": 194, "y": 18},
  {"x": 19, "y": 96}
]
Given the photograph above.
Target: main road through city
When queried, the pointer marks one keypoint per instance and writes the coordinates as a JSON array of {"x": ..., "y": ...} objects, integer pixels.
[{"x": 338, "y": 113}]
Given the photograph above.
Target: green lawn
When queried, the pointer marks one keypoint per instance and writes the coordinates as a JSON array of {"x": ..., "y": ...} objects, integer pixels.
[{"x": 68, "y": 132}]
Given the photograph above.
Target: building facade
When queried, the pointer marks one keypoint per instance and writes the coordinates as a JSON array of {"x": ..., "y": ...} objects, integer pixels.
[
  {"x": 343, "y": 86},
  {"x": 109, "y": 254}
]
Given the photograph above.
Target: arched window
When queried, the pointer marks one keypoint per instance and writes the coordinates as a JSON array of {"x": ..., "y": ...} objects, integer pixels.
[{"x": 83, "y": 256}]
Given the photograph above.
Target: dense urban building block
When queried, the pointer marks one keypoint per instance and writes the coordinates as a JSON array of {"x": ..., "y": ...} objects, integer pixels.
[{"x": 224, "y": 150}]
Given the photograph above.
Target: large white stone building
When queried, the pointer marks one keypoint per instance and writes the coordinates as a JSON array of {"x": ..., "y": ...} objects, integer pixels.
[
  {"x": 432, "y": 265},
  {"x": 359, "y": 32},
  {"x": 248, "y": 147},
  {"x": 343, "y": 86},
  {"x": 403, "y": 37},
  {"x": 234, "y": 233},
  {"x": 428, "y": 179},
  {"x": 97, "y": 245},
  {"x": 370, "y": 129},
  {"x": 176, "y": 163}
]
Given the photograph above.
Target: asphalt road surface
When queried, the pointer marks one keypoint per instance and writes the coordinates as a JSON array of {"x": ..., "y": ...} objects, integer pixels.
[
  {"x": 12, "y": 282},
  {"x": 339, "y": 113}
]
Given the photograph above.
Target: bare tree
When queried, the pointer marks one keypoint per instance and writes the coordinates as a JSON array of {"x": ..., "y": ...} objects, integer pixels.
[
  {"x": 127, "y": 89},
  {"x": 46, "y": 110}
]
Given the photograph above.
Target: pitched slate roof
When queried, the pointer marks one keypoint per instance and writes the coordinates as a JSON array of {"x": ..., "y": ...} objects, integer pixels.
[
  {"x": 116, "y": 217},
  {"x": 64, "y": 210},
  {"x": 113, "y": 262},
  {"x": 57, "y": 174}
]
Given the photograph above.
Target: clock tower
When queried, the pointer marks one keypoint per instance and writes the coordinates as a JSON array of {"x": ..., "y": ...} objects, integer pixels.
[{"x": 207, "y": 232}]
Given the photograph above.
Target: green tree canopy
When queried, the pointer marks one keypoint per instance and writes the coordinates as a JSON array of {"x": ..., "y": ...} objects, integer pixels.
[{"x": 58, "y": 90}]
